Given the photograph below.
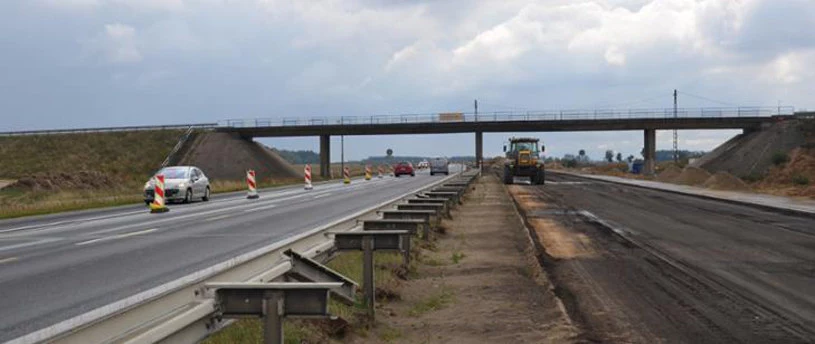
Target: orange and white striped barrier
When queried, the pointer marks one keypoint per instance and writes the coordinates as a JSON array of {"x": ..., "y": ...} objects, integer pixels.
[
  {"x": 381, "y": 170},
  {"x": 308, "y": 177},
  {"x": 346, "y": 175},
  {"x": 252, "y": 184},
  {"x": 367, "y": 172},
  {"x": 158, "y": 205}
]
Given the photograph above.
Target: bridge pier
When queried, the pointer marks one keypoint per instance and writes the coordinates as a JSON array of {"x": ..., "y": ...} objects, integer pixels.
[
  {"x": 325, "y": 156},
  {"x": 650, "y": 151},
  {"x": 479, "y": 148}
]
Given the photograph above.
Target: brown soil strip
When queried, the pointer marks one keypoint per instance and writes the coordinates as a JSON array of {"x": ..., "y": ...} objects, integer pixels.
[
  {"x": 480, "y": 283},
  {"x": 725, "y": 181}
]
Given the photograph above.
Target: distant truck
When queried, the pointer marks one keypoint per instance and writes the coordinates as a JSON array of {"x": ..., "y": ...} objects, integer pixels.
[{"x": 523, "y": 160}]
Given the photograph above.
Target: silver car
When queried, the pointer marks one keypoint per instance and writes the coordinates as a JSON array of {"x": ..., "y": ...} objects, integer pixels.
[
  {"x": 181, "y": 183},
  {"x": 439, "y": 165}
]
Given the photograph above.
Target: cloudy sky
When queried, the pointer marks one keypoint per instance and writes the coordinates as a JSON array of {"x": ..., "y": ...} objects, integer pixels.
[{"x": 85, "y": 63}]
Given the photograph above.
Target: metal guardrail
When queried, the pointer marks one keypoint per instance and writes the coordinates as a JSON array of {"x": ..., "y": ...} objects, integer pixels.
[
  {"x": 109, "y": 129},
  {"x": 552, "y": 115},
  {"x": 179, "y": 311}
]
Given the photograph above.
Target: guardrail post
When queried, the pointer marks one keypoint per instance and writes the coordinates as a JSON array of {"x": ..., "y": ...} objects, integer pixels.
[
  {"x": 368, "y": 242},
  {"x": 368, "y": 275},
  {"x": 273, "y": 319}
]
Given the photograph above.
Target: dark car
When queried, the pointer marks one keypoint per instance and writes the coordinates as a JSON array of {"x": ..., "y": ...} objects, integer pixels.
[{"x": 403, "y": 167}]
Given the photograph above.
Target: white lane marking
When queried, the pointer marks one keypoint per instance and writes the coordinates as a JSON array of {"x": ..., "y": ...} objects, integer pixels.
[
  {"x": 196, "y": 211},
  {"x": 260, "y": 208},
  {"x": 26, "y": 244},
  {"x": 275, "y": 198},
  {"x": 8, "y": 260},
  {"x": 216, "y": 218},
  {"x": 269, "y": 194},
  {"x": 120, "y": 236},
  {"x": 323, "y": 195},
  {"x": 68, "y": 222}
]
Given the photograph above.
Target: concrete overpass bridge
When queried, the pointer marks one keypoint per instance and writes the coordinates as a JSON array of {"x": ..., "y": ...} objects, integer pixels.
[{"x": 647, "y": 120}]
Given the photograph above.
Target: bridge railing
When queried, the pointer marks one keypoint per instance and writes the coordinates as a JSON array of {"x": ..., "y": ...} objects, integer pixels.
[
  {"x": 110, "y": 129},
  {"x": 506, "y": 116}
]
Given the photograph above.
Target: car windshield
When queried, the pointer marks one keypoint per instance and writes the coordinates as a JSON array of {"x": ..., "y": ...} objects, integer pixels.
[
  {"x": 175, "y": 173},
  {"x": 404, "y": 163},
  {"x": 526, "y": 146}
]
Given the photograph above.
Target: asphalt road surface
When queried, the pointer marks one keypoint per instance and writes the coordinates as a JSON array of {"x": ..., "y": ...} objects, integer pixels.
[
  {"x": 59, "y": 266},
  {"x": 694, "y": 269}
]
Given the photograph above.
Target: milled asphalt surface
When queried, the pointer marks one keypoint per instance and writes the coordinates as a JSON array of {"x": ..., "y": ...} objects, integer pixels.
[
  {"x": 752, "y": 270},
  {"x": 59, "y": 266}
]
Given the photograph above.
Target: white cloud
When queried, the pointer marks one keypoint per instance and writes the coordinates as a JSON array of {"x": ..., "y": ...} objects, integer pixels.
[
  {"x": 121, "y": 44},
  {"x": 791, "y": 68},
  {"x": 151, "y": 5},
  {"x": 72, "y": 4},
  {"x": 147, "y": 5}
]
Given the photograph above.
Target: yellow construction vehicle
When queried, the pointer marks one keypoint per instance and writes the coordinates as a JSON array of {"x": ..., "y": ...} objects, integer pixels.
[{"x": 523, "y": 160}]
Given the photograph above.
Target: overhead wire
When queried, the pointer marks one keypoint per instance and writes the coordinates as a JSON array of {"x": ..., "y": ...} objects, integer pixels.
[{"x": 706, "y": 98}]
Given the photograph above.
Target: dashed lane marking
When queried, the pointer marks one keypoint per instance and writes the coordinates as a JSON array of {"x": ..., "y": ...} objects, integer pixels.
[
  {"x": 8, "y": 260},
  {"x": 120, "y": 236}
]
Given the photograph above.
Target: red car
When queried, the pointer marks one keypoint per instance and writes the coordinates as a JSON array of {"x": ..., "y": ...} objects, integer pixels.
[{"x": 403, "y": 167}]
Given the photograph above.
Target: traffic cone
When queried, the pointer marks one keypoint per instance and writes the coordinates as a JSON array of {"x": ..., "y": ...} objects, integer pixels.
[
  {"x": 253, "y": 188},
  {"x": 346, "y": 175},
  {"x": 380, "y": 171},
  {"x": 367, "y": 172},
  {"x": 158, "y": 205}
]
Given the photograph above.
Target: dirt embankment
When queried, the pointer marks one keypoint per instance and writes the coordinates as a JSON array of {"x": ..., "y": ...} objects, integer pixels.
[
  {"x": 223, "y": 156},
  {"x": 778, "y": 160},
  {"x": 725, "y": 181},
  {"x": 751, "y": 153},
  {"x": 82, "y": 180}
]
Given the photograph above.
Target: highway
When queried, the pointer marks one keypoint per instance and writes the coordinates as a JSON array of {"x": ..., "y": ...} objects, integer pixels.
[
  {"x": 694, "y": 269},
  {"x": 56, "y": 267}
]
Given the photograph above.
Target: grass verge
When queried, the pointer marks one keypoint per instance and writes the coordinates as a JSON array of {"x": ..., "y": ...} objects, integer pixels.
[{"x": 387, "y": 276}]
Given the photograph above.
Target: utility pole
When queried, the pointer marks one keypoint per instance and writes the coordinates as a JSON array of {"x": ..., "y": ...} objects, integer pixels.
[
  {"x": 676, "y": 134},
  {"x": 475, "y": 104}
]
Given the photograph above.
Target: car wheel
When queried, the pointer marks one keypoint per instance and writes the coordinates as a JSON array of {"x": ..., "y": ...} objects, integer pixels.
[
  {"x": 413, "y": 174},
  {"x": 188, "y": 196},
  {"x": 147, "y": 203},
  {"x": 206, "y": 195}
]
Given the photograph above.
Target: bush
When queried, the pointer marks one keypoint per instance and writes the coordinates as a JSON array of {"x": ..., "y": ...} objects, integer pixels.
[
  {"x": 800, "y": 180},
  {"x": 571, "y": 163},
  {"x": 780, "y": 158},
  {"x": 753, "y": 177}
]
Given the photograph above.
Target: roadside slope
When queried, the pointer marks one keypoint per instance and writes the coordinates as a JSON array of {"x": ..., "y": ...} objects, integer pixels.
[
  {"x": 751, "y": 154},
  {"x": 125, "y": 157},
  {"x": 225, "y": 157}
]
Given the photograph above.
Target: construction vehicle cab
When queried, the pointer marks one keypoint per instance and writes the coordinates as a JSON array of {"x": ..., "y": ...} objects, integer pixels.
[{"x": 523, "y": 160}]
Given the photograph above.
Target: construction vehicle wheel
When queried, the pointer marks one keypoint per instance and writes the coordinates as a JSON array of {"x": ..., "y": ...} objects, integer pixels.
[
  {"x": 507, "y": 175},
  {"x": 539, "y": 178}
]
